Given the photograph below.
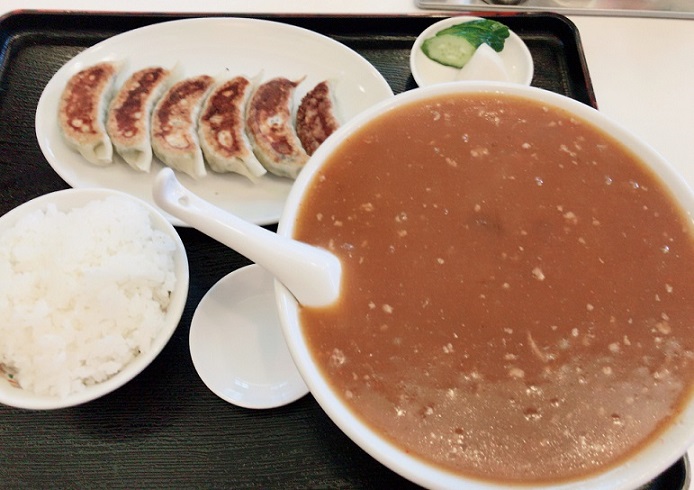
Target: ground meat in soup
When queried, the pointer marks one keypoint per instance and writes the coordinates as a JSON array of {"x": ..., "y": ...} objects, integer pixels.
[{"x": 518, "y": 302}]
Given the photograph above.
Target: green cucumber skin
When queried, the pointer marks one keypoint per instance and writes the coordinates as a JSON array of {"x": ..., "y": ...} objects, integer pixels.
[
  {"x": 449, "y": 50},
  {"x": 479, "y": 32}
]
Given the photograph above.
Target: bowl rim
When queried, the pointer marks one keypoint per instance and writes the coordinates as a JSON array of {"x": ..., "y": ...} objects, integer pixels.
[
  {"x": 639, "y": 468},
  {"x": 71, "y": 198}
]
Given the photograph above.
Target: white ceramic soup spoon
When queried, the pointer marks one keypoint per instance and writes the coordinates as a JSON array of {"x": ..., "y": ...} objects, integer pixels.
[{"x": 311, "y": 274}]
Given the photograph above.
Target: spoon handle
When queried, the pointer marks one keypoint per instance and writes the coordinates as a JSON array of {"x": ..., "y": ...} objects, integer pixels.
[{"x": 310, "y": 273}]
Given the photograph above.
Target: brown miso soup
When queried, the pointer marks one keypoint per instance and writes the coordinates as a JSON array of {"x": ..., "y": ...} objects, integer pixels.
[{"x": 518, "y": 289}]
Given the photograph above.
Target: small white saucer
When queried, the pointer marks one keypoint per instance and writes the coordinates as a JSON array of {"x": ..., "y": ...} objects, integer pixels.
[
  {"x": 515, "y": 57},
  {"x": 237, "y": 345}
]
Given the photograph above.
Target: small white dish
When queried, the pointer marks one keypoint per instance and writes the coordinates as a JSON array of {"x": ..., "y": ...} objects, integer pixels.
[
  {"x": 237, "y": 345},
  {"x": 10, "y": 392},
  {"x": 235, "y": 46},
  {"x": 516, "y": 57}
]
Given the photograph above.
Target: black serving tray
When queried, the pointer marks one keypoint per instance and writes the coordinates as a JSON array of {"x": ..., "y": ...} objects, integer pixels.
[{"x": 165, "y": 429}]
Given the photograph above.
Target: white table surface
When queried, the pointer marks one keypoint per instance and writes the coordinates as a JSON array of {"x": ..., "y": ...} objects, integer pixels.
[{"x": 642, "y": 69}]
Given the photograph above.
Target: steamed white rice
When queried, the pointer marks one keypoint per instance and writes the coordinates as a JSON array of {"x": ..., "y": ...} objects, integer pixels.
[{"x": 82, "y": 293}]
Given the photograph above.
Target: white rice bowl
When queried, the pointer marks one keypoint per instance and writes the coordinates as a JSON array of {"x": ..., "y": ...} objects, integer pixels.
[{"x": 93, "y": 283}]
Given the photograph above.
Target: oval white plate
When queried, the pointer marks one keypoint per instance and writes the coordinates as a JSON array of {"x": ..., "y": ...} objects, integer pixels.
[
  {"x": 237, "y": 345},
  {"x": 515, "y": 56},
  {"x": 214, "y": 46}
]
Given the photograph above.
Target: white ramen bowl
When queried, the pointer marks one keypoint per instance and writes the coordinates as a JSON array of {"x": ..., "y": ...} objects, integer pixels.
[
  {"x": 642, "y": 467},
  {"x": 10, "y": 393}
]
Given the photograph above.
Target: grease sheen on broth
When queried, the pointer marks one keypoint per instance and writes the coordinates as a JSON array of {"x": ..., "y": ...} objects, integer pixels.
[{"x": 518, "y": 302}]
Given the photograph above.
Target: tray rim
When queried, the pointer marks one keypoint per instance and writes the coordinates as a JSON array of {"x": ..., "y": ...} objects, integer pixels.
[{"x": 163, "y": 16}]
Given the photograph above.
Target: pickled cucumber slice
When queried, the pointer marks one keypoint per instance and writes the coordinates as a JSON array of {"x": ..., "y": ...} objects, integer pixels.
[{"x": 449, "y": 49}]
